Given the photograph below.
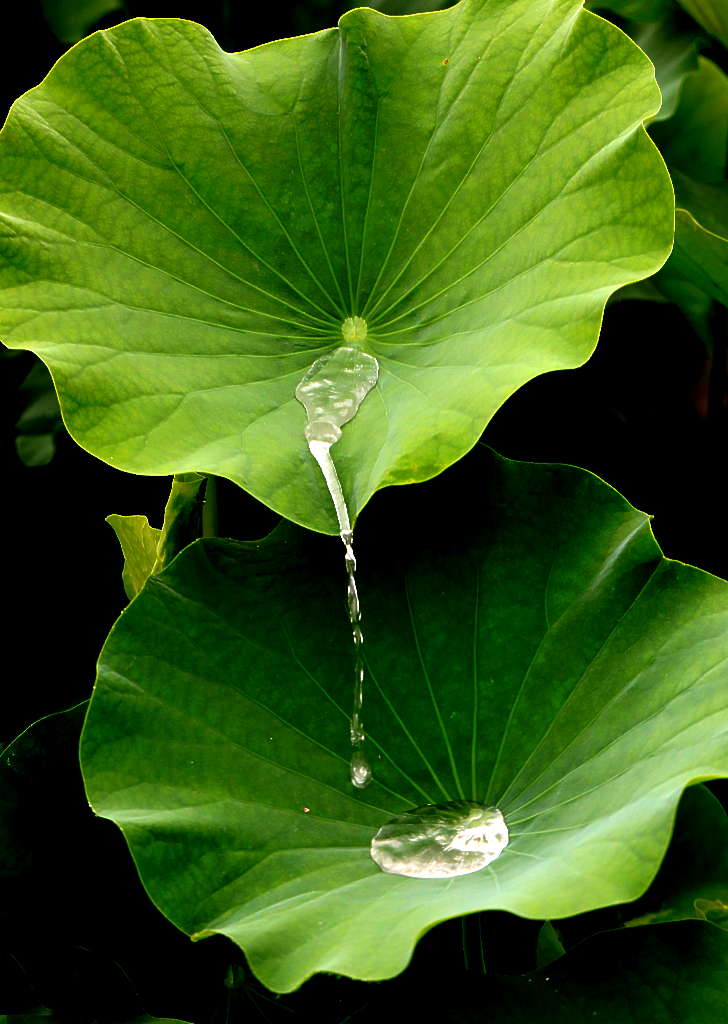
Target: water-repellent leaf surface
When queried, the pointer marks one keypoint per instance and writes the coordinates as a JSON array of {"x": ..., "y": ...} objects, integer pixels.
[
  {"x": 183, "y": 231},
  {"x": 531, "y": 647}
]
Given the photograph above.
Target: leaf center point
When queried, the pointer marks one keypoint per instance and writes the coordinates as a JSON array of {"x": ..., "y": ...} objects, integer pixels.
[{"x": 354, "y": 330}]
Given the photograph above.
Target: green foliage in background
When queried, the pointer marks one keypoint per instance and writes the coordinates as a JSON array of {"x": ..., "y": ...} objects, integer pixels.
[{"x": 71, "y": 19}]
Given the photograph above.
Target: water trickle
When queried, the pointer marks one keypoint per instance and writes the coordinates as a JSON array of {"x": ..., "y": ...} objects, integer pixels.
[
  {"x": 331, "y": 391},
  {"x": 440, "y": 840}
]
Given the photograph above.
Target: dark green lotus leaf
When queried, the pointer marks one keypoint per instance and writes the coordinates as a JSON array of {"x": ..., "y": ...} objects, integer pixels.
[
  {"x": 530, "y": 647},
  {"x": 637, "y": 10},
  {"x": 183, "y": 231},
  {"x": 156, "y": 1020},
  {"x": 77, "y": 931},
  {"x": 693, "y": 880},
  {"x": 45, "y": 1016},
  {"x": 711, "y": 14},
  {"x": 696, "y": 138},
  {"x": 71, "y": 19},
  {"x": 40, "y": 420},
  {"x": 647, "y": 976},
  {"x": 694, "y": 142},
  {"x": 674, "y": 52},
  {"x": 395, "y": 7},
  {"x": 49, "y": 741},
  {"x": 700, "y": 258},
  {"x": 35, "y": 449}
]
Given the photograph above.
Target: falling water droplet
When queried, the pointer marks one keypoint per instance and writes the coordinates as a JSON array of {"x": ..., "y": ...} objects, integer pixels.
[
  {"x": 440, "y": 840},
  {"x": 331, "y": 391},
  {"x": 361, "y": 771}
]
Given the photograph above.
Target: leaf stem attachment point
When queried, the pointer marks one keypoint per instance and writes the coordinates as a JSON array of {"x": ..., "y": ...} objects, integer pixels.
[{"x": 354, "y": 330}]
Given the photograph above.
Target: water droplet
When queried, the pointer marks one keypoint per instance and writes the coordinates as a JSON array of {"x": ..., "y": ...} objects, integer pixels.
[
  {"x": 331, "y": 391},
  {"x": 333, "y": 388},
  {"x": 361, "y": 771},
  {"x": 440, "y": 840}
]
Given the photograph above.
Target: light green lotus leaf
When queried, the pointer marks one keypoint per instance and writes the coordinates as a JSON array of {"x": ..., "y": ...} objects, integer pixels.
[
  {"x": 139, "y": 542},
  {"x": 148, "y": 550},
  {"x": 533, "y": 650},
  {"x": 183, "y": 231}
]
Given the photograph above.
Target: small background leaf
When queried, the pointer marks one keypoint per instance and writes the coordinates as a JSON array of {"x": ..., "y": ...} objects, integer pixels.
[
  {"x": 693, "y": 881},
  {"x": 148, "y": 550},
  {"x": 104, "y": 952},
  {"x": 648, "y": 976},
  {"x": 139, "y": 542},
  {"x": 674, "y": 52},
  {"x": 71, "y": 19},
  {"x": 639, "y": 10},
  {"x": 711, "y": 14},
  {"x": 44, "y": 1016},
  {"x": 40, "y": 419},
  {"x": 694, "y": 142}
]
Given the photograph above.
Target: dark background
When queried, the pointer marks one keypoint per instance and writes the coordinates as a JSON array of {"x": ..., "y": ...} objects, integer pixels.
[{"x": 647, "y": 413}]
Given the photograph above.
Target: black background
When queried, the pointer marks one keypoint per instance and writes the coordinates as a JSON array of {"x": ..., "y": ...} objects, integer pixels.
[{"x": 647, "y": 413}]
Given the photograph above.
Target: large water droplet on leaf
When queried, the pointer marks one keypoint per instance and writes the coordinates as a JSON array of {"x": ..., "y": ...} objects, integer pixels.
[{"x": 440, "y": 840}]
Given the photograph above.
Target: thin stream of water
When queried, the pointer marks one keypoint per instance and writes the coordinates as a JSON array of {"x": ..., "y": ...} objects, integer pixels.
[
  {"x": 331, "y": 391},
  {"x": 436, "y": 840}
]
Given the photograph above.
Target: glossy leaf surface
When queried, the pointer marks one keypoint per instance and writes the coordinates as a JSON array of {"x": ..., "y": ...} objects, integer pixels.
[
  {"x": 183, "y": 231},
  {"x": 547, "y": 660}
]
